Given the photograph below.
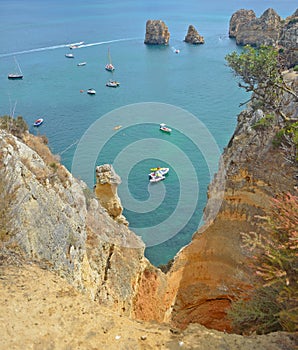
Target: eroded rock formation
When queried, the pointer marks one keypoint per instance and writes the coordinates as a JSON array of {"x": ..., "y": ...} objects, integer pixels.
[
  {"x": 270, "y": 30},
  {"x": 55, "y": 218},
  {"x": 157, "y": 33},
  {"x": 193, "y": 37},
  {"x": 105, "y": 190},
  {"x": 212, "y": 270}
]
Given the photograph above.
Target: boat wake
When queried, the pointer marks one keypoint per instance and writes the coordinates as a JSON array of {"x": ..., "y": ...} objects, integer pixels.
[{"x": 54, "y": 47}]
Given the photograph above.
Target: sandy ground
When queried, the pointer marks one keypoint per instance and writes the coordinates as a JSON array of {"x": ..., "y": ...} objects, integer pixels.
[{"x": 41, "y": 311}]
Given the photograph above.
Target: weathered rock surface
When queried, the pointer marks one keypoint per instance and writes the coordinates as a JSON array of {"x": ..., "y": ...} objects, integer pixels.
[
  {"x": 56, "y": 219},
  {"x": 238, "y": 19},
  {"x": 249, "y": 30},
  {"x": 193, "y": 37},
  {"x": 212, "y": 270},
  {"x": 105, "y": 190},
  {"x": 269, "y": 30},
  {"x": 39, "y": 310},
  {"x": 157, "y": 33}
]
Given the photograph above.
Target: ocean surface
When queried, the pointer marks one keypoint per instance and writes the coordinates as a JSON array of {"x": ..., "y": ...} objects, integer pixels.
[{"x": 193, "y": 92}]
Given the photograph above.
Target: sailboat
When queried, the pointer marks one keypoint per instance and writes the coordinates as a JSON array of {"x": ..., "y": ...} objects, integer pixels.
[
  {"x": 109, "y": 67},
  {"x": 16, "y": 75}
]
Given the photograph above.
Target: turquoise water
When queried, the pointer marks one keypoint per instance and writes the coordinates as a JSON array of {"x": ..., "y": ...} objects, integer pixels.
[{"x": 195, "y": 81}]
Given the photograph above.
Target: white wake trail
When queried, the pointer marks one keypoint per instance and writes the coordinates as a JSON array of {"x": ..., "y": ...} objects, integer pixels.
[{"x": 63, "y": 45}]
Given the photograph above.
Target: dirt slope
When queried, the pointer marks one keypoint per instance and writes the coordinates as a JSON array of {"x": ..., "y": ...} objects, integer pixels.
[{"x": 39, "y": 310}]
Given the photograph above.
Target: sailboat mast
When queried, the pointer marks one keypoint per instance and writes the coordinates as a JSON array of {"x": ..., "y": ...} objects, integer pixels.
[
  {"x": 109, "y": 56},
  {"x": 17, "y": 63}
]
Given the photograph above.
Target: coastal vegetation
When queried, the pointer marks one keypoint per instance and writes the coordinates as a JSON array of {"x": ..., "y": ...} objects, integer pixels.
[
  {"x": 260, "y": 73},
  {"x": 16, "y": 126},
  {"x": 273, "y": 304}
]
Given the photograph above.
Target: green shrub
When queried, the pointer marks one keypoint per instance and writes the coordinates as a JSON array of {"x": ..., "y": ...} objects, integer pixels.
[
  {"x": 264, "y": 122},
  {"x": 296, "y": 68}
]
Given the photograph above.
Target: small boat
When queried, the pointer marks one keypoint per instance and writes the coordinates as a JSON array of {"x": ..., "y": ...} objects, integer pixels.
[
  {"x": 117, "y": 127},
  {"x": 82, "y": 64},
  {"x": 164, "y": 128},
  {"x": 177, "y": 51},
  {"x": 162, "y": 171},
  {"x": 18, "y": 75},
  {"x": 112, "y": 83},
  {"x": 69, "y": 55},
  {"x": 38, "y": 122},
  {"x": 15, "y": 76},
  {"x": 109, "y": 67},
  {"x": 156, "y": 178},
  {"x": 91, "y": 91},
  {"x": 76, "y": 45},
  {"x": 158, "y": 174}
]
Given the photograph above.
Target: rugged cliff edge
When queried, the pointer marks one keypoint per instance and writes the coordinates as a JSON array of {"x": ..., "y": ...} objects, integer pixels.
[
  {"x": 56, "y": 225},
  {"x": 212, "y": 270},
  {"x": 54, "y": 218},
  {"x": 269, "y": 30}
]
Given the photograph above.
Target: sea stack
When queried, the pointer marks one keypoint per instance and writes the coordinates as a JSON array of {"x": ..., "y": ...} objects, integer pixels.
[
  {"x": 105, "y": 190},
  {"x": 157, "y": 33},
  {"x": 193, "y": 37}
]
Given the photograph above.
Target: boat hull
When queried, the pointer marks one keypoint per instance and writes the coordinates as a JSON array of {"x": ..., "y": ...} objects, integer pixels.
[
  {"x": 38, "y": 122},
  {"x": 15, "y": 76},
  {"x": 91, "y": 92}
]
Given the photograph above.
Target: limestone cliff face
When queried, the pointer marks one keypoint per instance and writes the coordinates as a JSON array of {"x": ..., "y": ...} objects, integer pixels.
[
  {"x": 193, "y": 37},
  {"x": 269, "y": 30},
  {"x": 157, "y": 33},
  {"x": 247, "y": 29},
  {"x": 56, "y": 219},
  {"x": 238, "y": 19},
  {"x": 212, "y": 270}
]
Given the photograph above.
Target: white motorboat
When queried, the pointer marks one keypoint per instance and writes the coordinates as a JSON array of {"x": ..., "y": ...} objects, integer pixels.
[
  {"x": 158, "y": 174},
  {"x": 113, "y": 83},
  {"x": 91, "y": 91},
  {"x": 157, "y": 178},
  {"x": 164, "y": 128}
]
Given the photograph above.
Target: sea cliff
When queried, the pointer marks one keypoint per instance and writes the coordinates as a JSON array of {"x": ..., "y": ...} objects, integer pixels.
[
  {"x": 269, "y": 30},
  {"x": 53, "y": 226},
  {"x": 54, "y": 218},
  {"x": 213, "y": 269}
]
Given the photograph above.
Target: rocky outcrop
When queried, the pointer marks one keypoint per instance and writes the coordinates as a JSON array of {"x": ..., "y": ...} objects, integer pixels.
[
  {"x": 238, "y": 19},
  {"x": 269, "y": 30},
  {"x": 213, "y": 269},
  {"x": 193, "y": 37},
  {"x": 54, "y": 218},
  {"x": 288, "y": 40},
  {"x": 105, "y": 190},
  {"x": 157, "y": 33},
  {"x": 249, "y": 30}
]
